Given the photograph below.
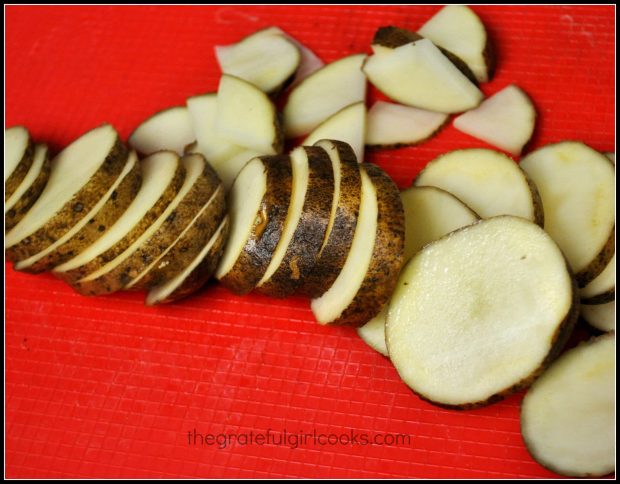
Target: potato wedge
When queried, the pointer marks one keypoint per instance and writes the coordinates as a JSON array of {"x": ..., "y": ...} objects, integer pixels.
[
  {"x": 568, "y": 415},
  {"x": 18, "y": 157},
  {"x": 577, "y": 187},
  {"x": 80, "y": 175},
  {"x": 487, "y": 181},
  {"x": 169, "y": 129},
  {"x": 600, "y": 316},
  {"x": 512, "y": 305}
]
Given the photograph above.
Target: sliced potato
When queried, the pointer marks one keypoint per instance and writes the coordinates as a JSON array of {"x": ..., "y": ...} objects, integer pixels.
[
  {"x": 247, "y": 117},
  {"x": 568, "y": 415},
  {"x": 170, "y": 129},
  {"x": 323, "y": 93},
  {"x": 347, "y": 125},
  {"x": 373, "y": 332},
  {"x": 229, "y": 169},
  {"x": 199, "y": 184},
  {"x": 577, "y": 187},
  {"x": 392, "y": 125},
  {"x": 458, "y": 29},
  {"x": 487, "y": 181},
  {"x": 611, "y": 156},
  {"x": 80, "y": 175},
  {"x": 196, "y": 274},
  {"x": 342, "y": 219},
  {"x": 419, "y": 75},
  {"x": 505, "y": 120},
  {"x": 26, "y": 194},
  {"x": 18, "y": 157},
  {"x": 512, "y": 305},
  {"x": 266, "y": 59},
  {"x": 600, "y": 316},
  {"x": 369, "y": 275},
  {"x": 258, "y": 204},
  {"x": 602, "y": 288},
  {"x": 103, "y": 215},
  {"x": 162, "y": 178},
  {"x": 306, "y": 223}
]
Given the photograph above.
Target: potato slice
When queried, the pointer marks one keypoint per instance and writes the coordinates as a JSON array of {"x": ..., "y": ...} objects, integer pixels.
[
  {"x": 600, "y": 316},
  {"x": 323, "y": 93},
  {"x": 392, "y": 125},
  {"x": 369, "y": 275},
  {"x": 611, "y": 156},
  {"x": 505, "y": 120},
  {"x": 162, "y": 177},
  {"x": 347, "y": 125},
  {"x": 306, "y": 223},
  {"x": 458, "y": 29},
  {"x": 80, "y": 175},
  {"x": 18, "y": 157},
  {"x": 568, "y": 415},
  {"x": 196, "y": 274},
  {"x": 266, "y": 59},
  {"x": 419, "y": 75},
  {"x": 92, "y": 226},
  {"x": 478, "y": 314},
  {"x": 200, "y": 183},
  {"x": 26, "y": 194},
  {"x": 577, "y": 187},
  {"x": 487, "y": 181},
  {"x": 342, "y": 219},
  {"x": 602, "y": 288},
  {"x": 170, "y": 129},
  {"x": 247, "y": 117},
  {"x": 430, "y": 213},
  {"x": 258, "y": 205}
]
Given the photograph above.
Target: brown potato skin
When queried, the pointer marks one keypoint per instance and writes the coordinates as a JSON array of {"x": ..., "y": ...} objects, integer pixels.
[
  {"x": 112, "y": 209},
  {"x": 388, "y": 253},
  {"x": 21, "y": 207},
  {"x": 332, "y": 257},
  {"x": 203, "y": 272},
  {"x": 21, "y": 170},
  {"x": 258, "y": 250},
  {"x": 587, "y": 275},
  {"x": 151, "y": 249},
  {"x": 303, "y": 250},
  {"x": 539, "y": 214},
  {"x": 76, "y": 208},
  {"x": 73, "y": 275},
  {"x": 392, "y": 37},
  {"x": 602, "y": 298}
]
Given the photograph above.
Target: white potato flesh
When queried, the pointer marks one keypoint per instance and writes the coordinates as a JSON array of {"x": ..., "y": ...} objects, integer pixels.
[
  {"x": 604, "y": 282},
  {"x": 157, "y": 173},
  {"x": 71, "y": 170},
  {"x": 392, "y": 124},
  {"x": 612, "y": 157},
  {"x": 568, "y": 416},
  {"x": 299, "y": 162},
  {"x": 170, "y": 129},
  {"x": 323, "y": 93},
  {"x": 246, "y": 116},
  {"x": 373, "y": 332},
  {"x": 15, "y": 143},
  {"x": 348, "y": 125},
  {"x": 458, "y": 29},
  {"x": 161, "y": 292},
  {"x": 265, "y": 60},
  {"x": 600, "y": 316},
  {"x": 505, "y": 120},
  {"x": 487, "y": 181},
  {"x": 418, "y": 74},
  {"x": 477, "y": 312},
  {"x": 577, "y": 188},
  {"x": 330, "y": 305},
  {"x": 40, "y": 155},
  {"x": 244, "y": 201},
  {"x": 228, "y": 169}
]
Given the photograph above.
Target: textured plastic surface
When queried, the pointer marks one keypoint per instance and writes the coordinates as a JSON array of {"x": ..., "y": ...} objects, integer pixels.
[{"x": 106, "y": 387}]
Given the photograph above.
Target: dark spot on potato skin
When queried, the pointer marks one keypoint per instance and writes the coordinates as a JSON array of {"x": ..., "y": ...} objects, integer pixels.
[{"x": 101, "y": 228}]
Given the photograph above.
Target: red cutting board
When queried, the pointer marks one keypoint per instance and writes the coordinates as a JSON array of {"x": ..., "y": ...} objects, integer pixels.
[{"x": 106, "y": 387}]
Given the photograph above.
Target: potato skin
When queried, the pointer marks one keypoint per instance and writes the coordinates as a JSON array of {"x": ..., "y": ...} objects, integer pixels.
[
  {"x": 20, "y": 172},
  {"x": 151, "y": 249},
  {"x": 388, "y": 253},
  {"x": 587, "y": 275},
  {"x": 602, "y": 298},
  {"x": 332, "y": 257},
  {"x": 76, "y": 208},
  {"x": 539, "y": 213},
  {"x": 74, "y": 275},
  {"x": 111, "y": 210},
  {"x": 21, "y": 207},
  {"x": 269, "y": 223},
  {"x": 303, "y": 250}
]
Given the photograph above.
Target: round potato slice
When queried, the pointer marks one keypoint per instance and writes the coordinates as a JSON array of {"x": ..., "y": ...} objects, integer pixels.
[{"x": 18, "y": 158}]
